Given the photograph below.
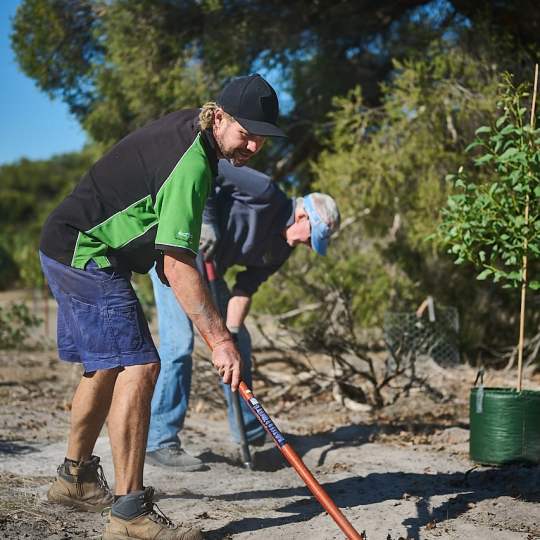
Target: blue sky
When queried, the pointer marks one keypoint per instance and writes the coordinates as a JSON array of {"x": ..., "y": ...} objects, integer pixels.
[{"x": 33, "y": 125}]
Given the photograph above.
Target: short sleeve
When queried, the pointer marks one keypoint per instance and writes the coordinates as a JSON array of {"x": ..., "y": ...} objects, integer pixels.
[{"x": 180, "y": 202}]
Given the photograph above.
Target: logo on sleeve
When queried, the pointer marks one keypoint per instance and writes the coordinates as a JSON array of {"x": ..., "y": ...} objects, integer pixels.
[{"x": 185, "y": 236}]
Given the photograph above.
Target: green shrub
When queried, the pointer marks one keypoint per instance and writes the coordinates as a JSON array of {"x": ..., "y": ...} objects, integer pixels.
[
  {"x": 16, "y": 323},
  {"x": 493, "y": 218}
]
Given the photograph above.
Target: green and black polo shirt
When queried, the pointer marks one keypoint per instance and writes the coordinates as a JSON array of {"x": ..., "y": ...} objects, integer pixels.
[{"x": 145, "y": 195}]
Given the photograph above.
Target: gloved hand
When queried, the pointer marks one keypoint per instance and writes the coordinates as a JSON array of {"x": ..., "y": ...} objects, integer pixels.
[{"x": 209, "y": 240}]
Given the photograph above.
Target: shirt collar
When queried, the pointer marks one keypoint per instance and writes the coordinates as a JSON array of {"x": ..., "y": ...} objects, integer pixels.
[{"x": 211, "y": 149}]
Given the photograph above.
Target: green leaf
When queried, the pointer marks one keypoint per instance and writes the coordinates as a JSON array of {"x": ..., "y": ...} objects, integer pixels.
[
  {"x": 484, "y": 159},
  {"x": 483, "y": 129},
  {"x": 508, "y": 129},
  {"x": 508, "y": 153},
  {"x": 484, "y": 274},
  {"x": 473, "y": 145},
  {"x": 534, "y": 285}
]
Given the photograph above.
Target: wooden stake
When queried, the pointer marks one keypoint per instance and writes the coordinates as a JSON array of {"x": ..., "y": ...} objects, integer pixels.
[{"x": 524, "y": 281}]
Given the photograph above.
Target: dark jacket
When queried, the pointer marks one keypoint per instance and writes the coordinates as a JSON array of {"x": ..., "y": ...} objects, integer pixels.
[{"x": 251, "y": 213}]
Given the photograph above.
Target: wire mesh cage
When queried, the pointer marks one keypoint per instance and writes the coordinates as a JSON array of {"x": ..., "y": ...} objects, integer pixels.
[{"x": 432, "y": 332}]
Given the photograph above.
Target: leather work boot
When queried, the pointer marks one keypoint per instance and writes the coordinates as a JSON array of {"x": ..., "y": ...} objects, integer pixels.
[
  {"x": 175, "y": 457},
  {"x": 136, "y": 517},
  {"x": 81, "y": 485}
]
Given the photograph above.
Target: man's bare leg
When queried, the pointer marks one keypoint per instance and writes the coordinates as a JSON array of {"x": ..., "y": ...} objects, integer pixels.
[
  {"x": 129, "y": 417},
  {"x": 89, "y": 409},
  {"x": 80, "y": 482}
]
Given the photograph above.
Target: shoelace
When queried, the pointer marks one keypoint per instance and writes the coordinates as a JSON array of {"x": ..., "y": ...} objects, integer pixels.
[
  {"x": 106, "y": 512},
  {"x": 156, "y": 514},
  {"x": 102, "y": 481}
]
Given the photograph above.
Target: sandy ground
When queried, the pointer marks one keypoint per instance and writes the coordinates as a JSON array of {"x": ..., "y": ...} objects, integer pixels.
[{"x": 401, "y": 473}]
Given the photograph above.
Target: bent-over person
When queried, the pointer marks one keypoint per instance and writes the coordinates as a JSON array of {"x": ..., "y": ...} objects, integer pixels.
[{"x": 252, "y": 223}]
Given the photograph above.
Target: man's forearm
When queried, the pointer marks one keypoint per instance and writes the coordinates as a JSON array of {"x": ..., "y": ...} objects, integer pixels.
[
  {"x": 192, "y": 293},
  {"x": 237, "y": 310}
]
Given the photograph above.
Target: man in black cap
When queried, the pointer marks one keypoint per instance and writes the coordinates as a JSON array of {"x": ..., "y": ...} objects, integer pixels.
[
  {"x": 249, "y": 103},
  {"x": 141, "y": 203},
  {"x": 252, "y": 102}
]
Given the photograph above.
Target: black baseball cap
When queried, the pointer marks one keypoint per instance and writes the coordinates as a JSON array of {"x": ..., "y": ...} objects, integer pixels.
[{"x": 253, "y": 103}]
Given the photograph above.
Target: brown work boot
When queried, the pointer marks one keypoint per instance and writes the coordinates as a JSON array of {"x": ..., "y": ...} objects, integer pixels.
[
  {"x": 136, "y": 517},
  {"x": 81, "y": 485}
]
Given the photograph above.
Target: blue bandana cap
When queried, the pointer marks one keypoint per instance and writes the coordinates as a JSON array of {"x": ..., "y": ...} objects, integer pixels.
[{"x": 324, "y": 219}]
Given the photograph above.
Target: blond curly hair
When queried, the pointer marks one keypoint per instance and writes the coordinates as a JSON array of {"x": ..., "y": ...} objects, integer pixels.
[{"x": 206, "y": 116}]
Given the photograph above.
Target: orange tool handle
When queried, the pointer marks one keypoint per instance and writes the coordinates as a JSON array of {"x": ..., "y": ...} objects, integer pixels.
[
  {"x": 296, "y": 461},
  {"x": 210, "y": 270}
]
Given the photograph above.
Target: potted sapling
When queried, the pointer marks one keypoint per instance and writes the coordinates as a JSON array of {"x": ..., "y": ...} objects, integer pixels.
[{"x": 492, "y": 220}]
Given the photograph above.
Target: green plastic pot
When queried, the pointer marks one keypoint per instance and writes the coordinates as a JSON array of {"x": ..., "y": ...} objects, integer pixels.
[{"x": 504, "y": 426}]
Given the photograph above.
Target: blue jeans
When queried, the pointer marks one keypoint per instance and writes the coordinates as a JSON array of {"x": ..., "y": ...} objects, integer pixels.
[{"x": 171, "y": 394}]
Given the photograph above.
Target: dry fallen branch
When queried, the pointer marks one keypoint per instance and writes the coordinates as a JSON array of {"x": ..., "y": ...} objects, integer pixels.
[
  {"x": 298, "y": 311},
  {"x": 362, "y": 375}
]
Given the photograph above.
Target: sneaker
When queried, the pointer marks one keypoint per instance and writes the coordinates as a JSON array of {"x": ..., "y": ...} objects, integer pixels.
[
  {"x": 81, "y": 485},
  {"x": 145, "y": 521},
  {"x": 175, "y": 457}
]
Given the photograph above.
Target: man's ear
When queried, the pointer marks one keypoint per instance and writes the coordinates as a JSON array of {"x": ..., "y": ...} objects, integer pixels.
[
  {"x": 219, "y": 117},
  {"x": 299, "y": 214}
]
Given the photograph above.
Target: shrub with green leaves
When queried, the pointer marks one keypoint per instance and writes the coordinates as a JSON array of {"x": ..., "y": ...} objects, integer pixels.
[
  {"x": 16, "y": 323},
  {"x": 493, "y": 218},
  {"x": 386, "y": 167},
  {"x": 29, "y": 190}
]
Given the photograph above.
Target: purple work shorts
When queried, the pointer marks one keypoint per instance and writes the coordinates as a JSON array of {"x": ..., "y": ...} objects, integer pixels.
[{"x": 100, "y": 320}]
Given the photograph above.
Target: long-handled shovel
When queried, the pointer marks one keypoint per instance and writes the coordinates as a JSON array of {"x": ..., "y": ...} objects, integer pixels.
[
  {"x": 285, "y": 448},
  {"x": 296, "y": 461},
  {"x": 246, "y": 455}
]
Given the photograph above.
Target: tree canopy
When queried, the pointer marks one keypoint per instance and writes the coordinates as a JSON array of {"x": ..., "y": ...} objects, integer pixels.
[
  {"x": 120, "y": 63},
  {"x": 29, "y": 190}
]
